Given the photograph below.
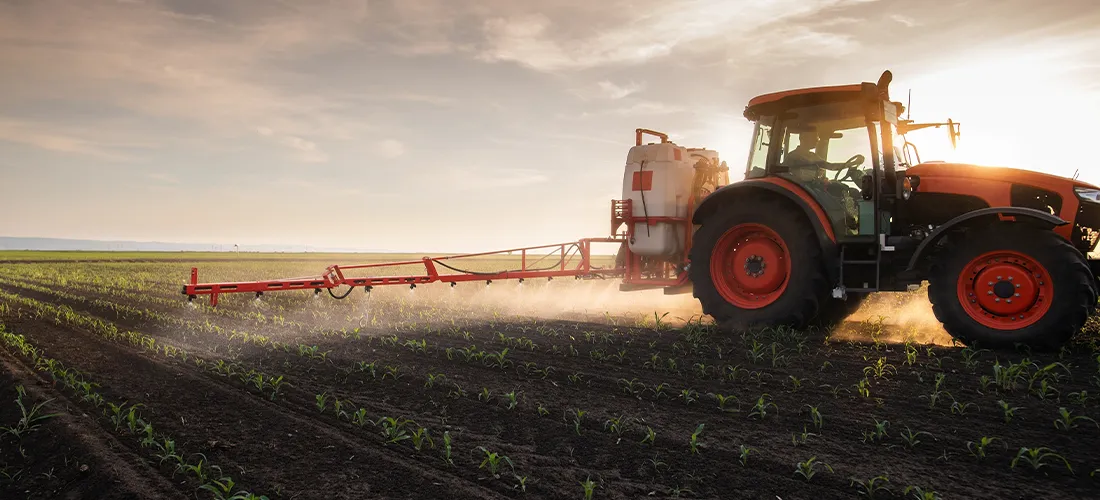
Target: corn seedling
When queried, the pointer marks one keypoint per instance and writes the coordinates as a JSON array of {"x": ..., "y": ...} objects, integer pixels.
[
  {"x": 393, "y": 372},
  {"x": 694, "y": 441},
  {"x": 589, "y": 488},
  {"x": 447, "y": 447},
  {"x": 321, "y": 401},
  {"x": 878, "y": 433},
  {"x": 760, "y": 409},
  {"x": 918, "y": 493},
  {"x": 744, "y": 455},
  {"x": 616, "y": 426},
  {"x": 977, "y": 448},
  {"x": 863, "y": 387},
  {"x": 1037, "y": 458},
  {"x": 1067, "y": 420},
  {"x": 650, "y": 436},
  {"x": 1079, "y": 397},
  {"x": 800, "y": 439},
  {"x": 912, "y": 439},
  {"x": 724, "y": 402},
  {"x": 29, "y": 417},
  {"x": 632, "y": 387},
  {"x": 935, "y": 398},
  {"x": 808, "y": 469},
  {"x": 433, "y": 378},
  {"x": 880, "y": 369},
  {"x": 359, "y": 417},
  {"x": 492, "y": 461},
  {"x": 689, "y": 396},
  {"x": 960, "y": 408},
  {"x": 815, "y": 416},
  {"x": 543, "y": 411},
  {"x": 575, "y": 378},
  {"x": 510, "y": 399},
  {"x": 1044, "y": 390},
  {"x": 578, "y": 417},
  {"x": 871, "y": 487},
  {"x": 394, "y": 429},
  {"x": 420, "y": 438},
  {"x": 659, "y": 390}
]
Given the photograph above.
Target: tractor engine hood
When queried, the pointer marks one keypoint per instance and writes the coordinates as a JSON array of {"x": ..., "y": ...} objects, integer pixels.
[{"x": 964, "y": 171}]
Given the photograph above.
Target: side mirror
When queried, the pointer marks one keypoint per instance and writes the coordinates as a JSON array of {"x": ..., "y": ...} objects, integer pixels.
[{"x": 867, "y": 188}]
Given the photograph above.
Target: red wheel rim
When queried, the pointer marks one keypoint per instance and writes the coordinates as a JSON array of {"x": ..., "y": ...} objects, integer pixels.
[
  {"x": 750, "y": 266},
  {"x": 1005, "y": 290}
]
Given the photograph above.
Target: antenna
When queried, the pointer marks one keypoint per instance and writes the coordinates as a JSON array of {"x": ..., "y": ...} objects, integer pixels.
[
  {"x": 1076, "y": 173},
  {"x": 909, "y": 105}
]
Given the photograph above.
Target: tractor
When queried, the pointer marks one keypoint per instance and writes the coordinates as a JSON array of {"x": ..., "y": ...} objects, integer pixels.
[
  {"x": 835, "y": 205},
  {"x": 833, "y": 208}
]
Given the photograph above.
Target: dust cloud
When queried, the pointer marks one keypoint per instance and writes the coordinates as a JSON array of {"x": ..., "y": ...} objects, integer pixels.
[{"x": 895, "y": 318}]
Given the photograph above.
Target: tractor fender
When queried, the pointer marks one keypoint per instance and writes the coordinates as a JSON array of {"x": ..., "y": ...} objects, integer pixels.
[
  {"x": 787, "y": 190},
  {"x": 1003, "y": 214}
]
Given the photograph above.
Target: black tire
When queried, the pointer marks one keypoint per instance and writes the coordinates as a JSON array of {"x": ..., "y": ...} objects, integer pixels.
[
  {"x": 1074, "y": 287},
  {"x": 834, "y": 311},
  {"x": 807, "y": 285}
]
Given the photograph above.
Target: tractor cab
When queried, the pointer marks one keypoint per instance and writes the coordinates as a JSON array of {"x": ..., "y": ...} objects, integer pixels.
[{"x": 835, "y": 143}]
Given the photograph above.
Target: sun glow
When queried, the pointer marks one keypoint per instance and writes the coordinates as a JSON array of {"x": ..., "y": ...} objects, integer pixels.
[{"x": 1025, "y": 110}]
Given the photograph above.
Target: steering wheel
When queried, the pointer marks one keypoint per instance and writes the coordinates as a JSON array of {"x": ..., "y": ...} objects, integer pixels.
[{"x": 850, "y": 168}]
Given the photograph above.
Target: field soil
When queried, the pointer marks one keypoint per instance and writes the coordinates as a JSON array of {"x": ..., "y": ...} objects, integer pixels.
[{"x": 511, "y": 393}]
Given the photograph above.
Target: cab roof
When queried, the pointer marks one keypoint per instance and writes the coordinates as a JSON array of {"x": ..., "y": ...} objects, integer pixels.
[{"x": 776, "y": 102}]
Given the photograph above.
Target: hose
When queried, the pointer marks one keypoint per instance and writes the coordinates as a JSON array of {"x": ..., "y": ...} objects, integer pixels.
[
  {"x": 341, "y": 297},
  {"x": 645, "y": 211}
]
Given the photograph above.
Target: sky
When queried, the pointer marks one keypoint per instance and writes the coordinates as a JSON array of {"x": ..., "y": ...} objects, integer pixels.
[{"x": 451, "y": 125}]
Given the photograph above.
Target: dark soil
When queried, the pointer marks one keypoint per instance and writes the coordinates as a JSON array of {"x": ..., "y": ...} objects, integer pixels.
[{"x": 287, "y": 448}]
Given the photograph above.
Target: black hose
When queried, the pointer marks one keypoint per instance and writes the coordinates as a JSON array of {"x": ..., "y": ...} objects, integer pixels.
[
  {"x": 341, "y": 296},
  {"x": 641, "y": 190}
]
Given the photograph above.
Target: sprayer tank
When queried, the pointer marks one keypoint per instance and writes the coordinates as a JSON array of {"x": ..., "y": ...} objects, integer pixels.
[{"x": 657, "y": 182}]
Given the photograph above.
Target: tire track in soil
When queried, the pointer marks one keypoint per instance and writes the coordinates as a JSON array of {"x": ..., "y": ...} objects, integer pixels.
[
  {"x": 115, "y": 472},
  {"x": 264, "y": 440}
]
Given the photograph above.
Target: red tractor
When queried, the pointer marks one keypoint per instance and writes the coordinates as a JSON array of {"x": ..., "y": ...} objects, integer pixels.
[{"x": 833, "y": 208}]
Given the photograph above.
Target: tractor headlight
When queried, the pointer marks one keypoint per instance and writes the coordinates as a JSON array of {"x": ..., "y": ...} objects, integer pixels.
[{"x": 1088, "y": 194}]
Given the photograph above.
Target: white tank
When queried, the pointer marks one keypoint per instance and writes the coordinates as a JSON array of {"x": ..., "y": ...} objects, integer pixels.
[{"x": 657, "y": 182}]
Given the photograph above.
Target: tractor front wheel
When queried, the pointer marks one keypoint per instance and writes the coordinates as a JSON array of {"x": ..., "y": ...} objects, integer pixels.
[
  {"x": 1010, "y": 285},
  {"x": 757, "y": 263}
]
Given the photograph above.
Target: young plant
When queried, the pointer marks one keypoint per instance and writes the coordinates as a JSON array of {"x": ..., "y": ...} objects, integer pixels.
[
  {"x": 800, "y": 439},
  {"x": 918, "y": 493},
  {"x": 394, "y": 429},
  {"x": 694, "y": 441},
  {"x": 1009, "y": 411},
  {"x": 321, "y": 401},
  {"x": 808, "y": 469},
  {"x": 578, "y": 418},
  {"x": 689, "y": 396},
  {"x": 815, "y": 416},
  {"x": 420, "y": 438},
  {"x": 589, "y": 488},
  {"x": 912, "y": 439},
  {"x": 616, "y": 426},
  {"x": 977, "y": 448},
  {"x": 760, "y": 409},
  {"x": 650, "y": 436},
  {"x": 744, "y": 455},
  {"x": 29, "y": 417},
  {"x": 1067, "y": 420},
  {"x": 510, "y": 400},
  {"x": 871, "y": 487},
  {"x": 493, "y": 460},
  {"x": 1037, "y": 458}
]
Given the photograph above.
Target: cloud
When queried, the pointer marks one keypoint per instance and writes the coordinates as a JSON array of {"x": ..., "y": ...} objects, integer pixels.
[
  {"x": 306, "y": 150},
  {"x": 390, "y": 148},
  {"x": 613, "y": 91},
  {"x": 907, "y": 21},
  {"x": 63, "y": 139},
  {"x": 480, "y": 178}
]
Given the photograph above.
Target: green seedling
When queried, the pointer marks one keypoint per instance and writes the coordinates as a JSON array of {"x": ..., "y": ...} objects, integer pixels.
[
  {"x": 420, "y": 438},
  {"x": 616, "y": 426},
  {"x": 394, "y": 429},
  {"x": 694, "y": 442},
  {"x": 578, "y": 418},
  {"x": 493, "y": 461},
  {"x": 1009, "y": 411},
  {"x": 433, "y": 378},
  {"x": 871, "y": 487},
  {"x": 744, "y": 455},
  {"x": 912, "y": 439},
  {"x": 30, "y": 417},
  {"x": 760, "y": 409},
  {"x": 1067, "y": 420},
  {"x": 360, "y": 417},
  {"x": 689, "y": 396},
  {"x": 510, "y": 400},
  {"x": 724, "y": 402},
  {"x": 918, "y": 493},
  {"x": 589, "y": 488},
  {"x": 447, "y": 448},
  {"x": 815, "y": 416},
  {"x": 321, "y": 401},
  {"x": 977, "y": 448},
  {"x": 1037, "y": 458},
  {"x": 650, "y": 436},
  {"x": 800, "y": 439},
  {"x": 808, "y": 469}
]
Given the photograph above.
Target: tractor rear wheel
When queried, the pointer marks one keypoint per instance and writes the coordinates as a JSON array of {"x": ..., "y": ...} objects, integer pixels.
[
  {"x": 1012, "y": 284},
  {"x": 758, "y": 263}
]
